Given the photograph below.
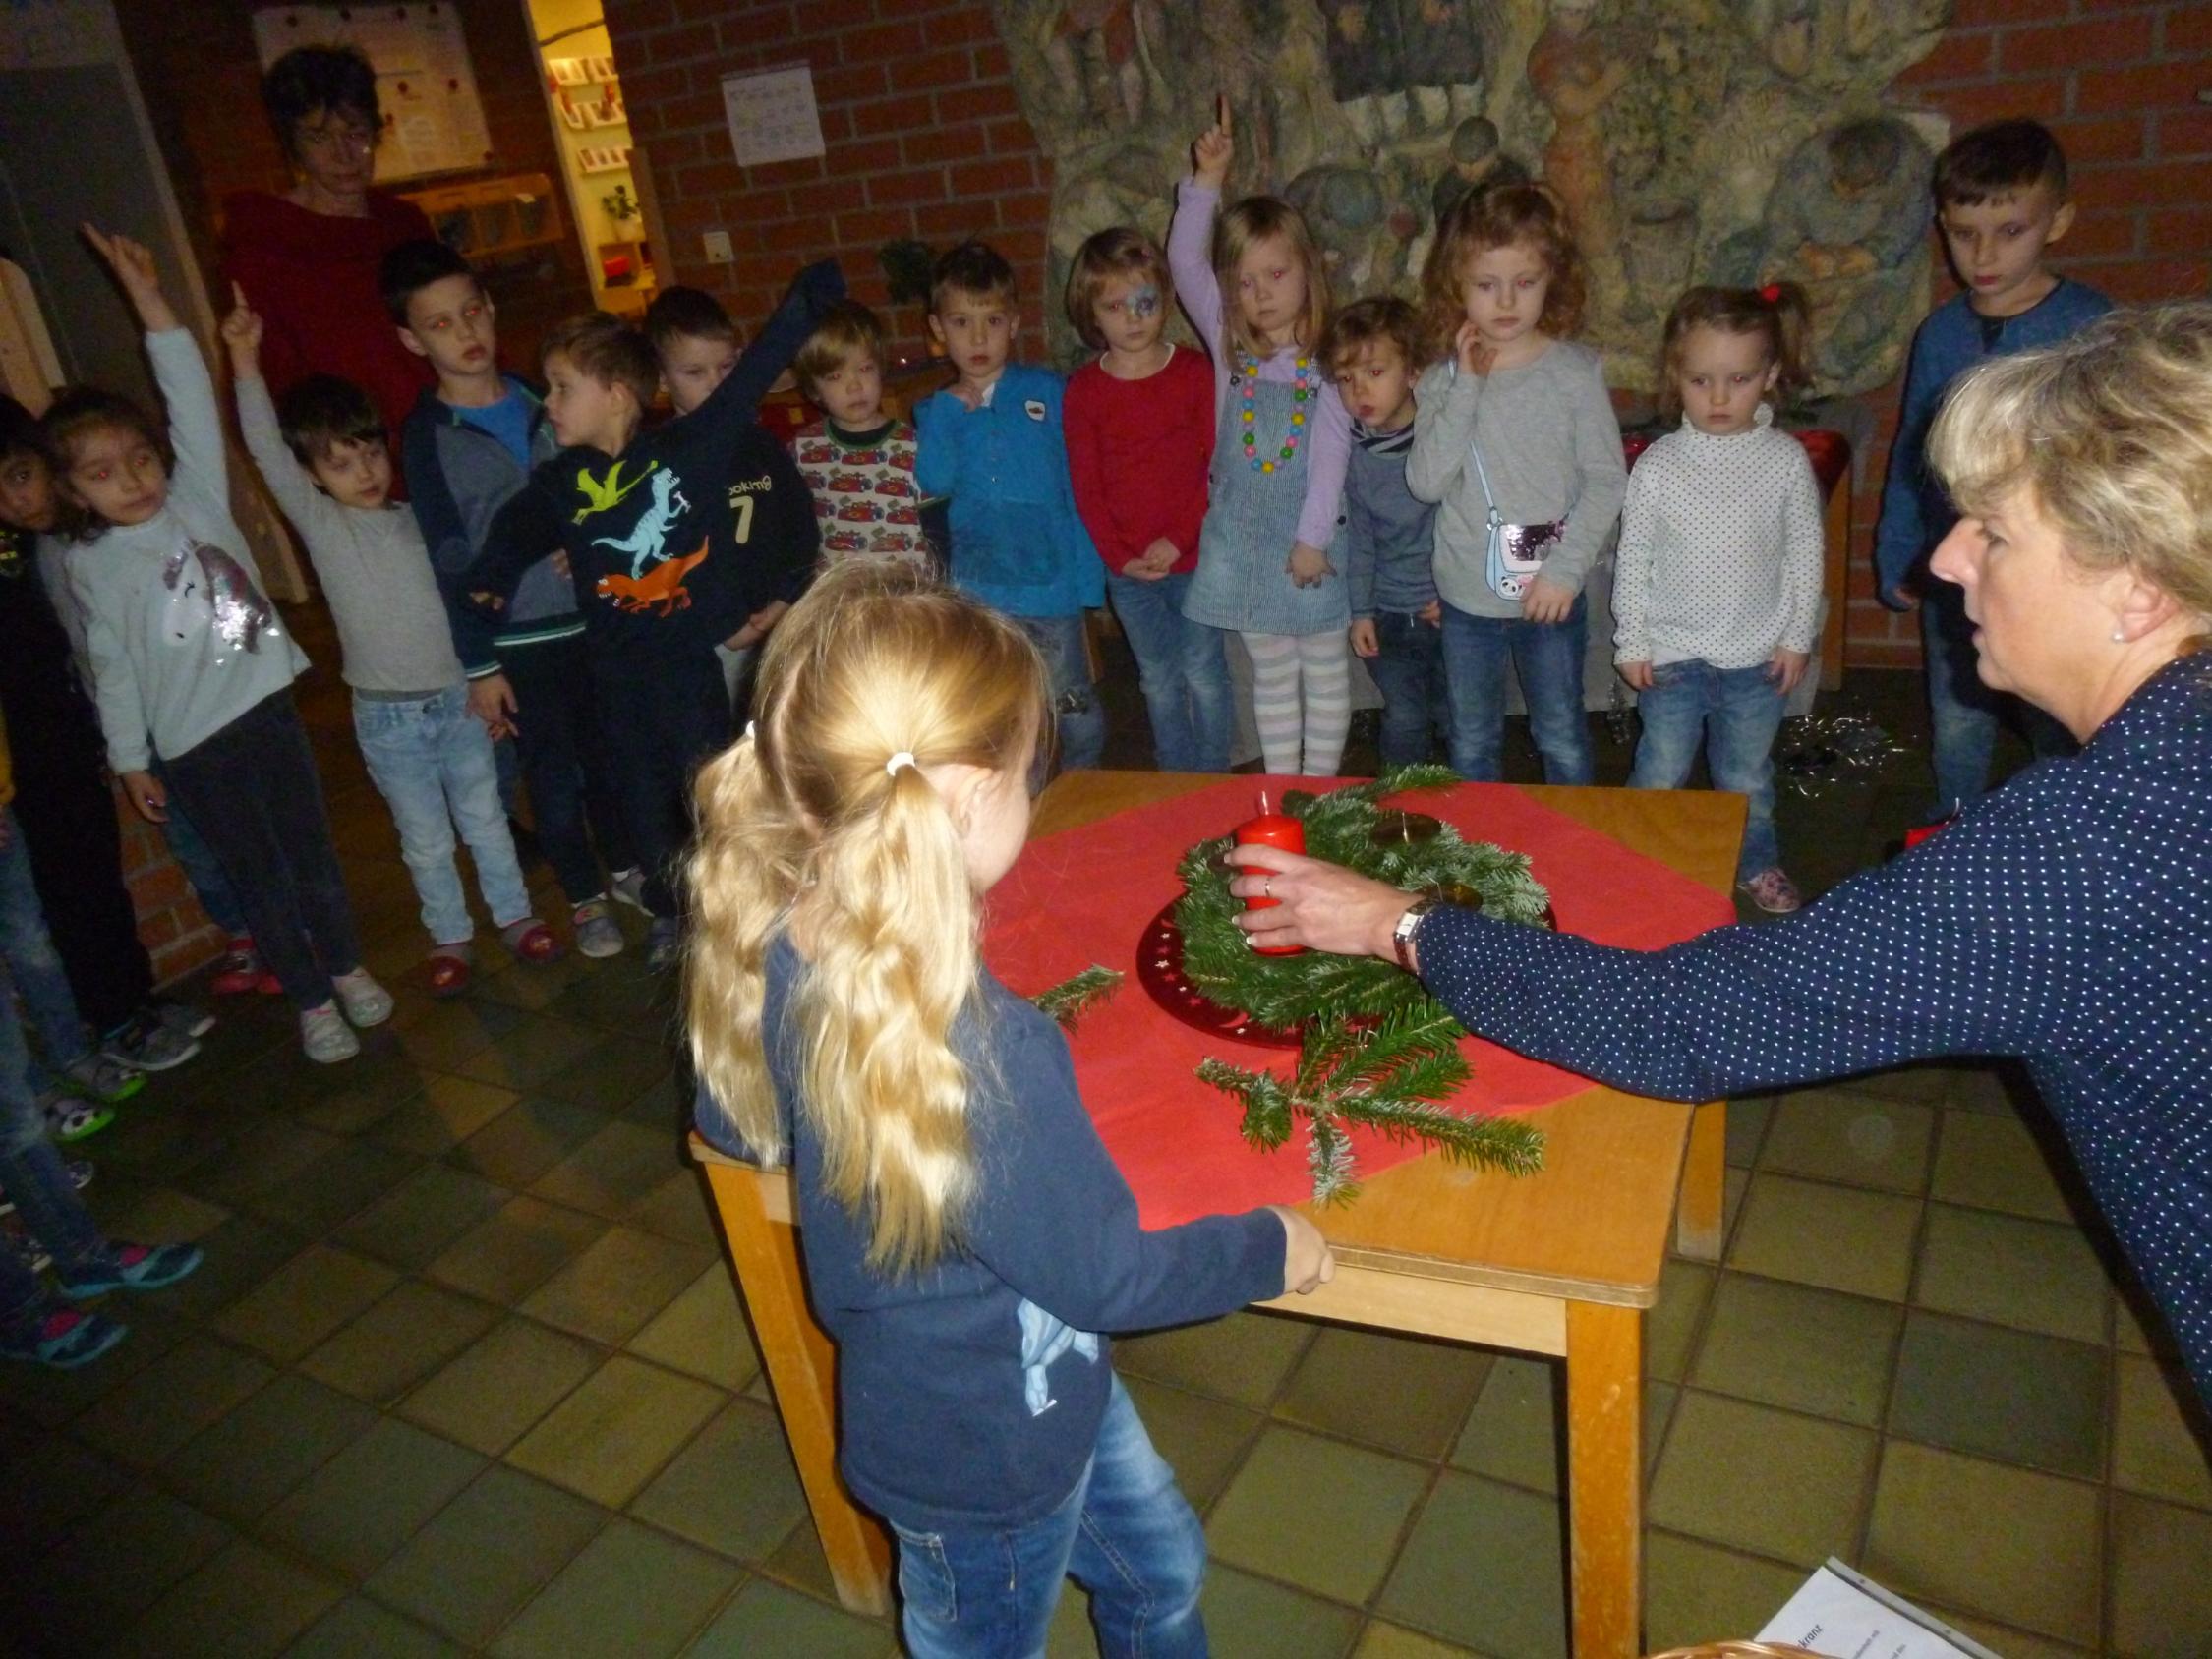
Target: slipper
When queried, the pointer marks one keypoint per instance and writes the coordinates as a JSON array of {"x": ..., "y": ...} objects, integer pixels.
[
  {"x": 531, "y": 940},
  {"x": 448, "y": 970}
]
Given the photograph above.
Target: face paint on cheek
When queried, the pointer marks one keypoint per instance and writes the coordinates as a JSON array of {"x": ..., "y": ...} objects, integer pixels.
[{"x": 1144, "y": 303}]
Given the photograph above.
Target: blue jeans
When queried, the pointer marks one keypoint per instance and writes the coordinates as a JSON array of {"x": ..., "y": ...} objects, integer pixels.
[
  {"x": 1124, "y": 1533},
  {"x": 1736, "y": 711},
  {"x": 32, "y": 1173},
  {"x": 202, "y": 868},
  {"x": 1181, "y": 668},
  {"x": 1547, "y": 656},
  {"x": 1076, "y": 715},
  {"x": 1962, "y": 712},
  {"x": 432, "y": 761},
  {"x": 1409, "y": 671},
  {"x": 32, "y": 962}
]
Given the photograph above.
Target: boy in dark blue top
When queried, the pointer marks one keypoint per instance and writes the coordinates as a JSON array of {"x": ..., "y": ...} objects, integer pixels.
[
  {"x": 2000, "y": 201},
  {"x": 993, "y": 441}
]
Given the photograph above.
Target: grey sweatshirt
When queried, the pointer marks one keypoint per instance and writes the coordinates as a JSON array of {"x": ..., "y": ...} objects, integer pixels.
[
  {"x": 373, "y": 568},
  {"x": 181, "y": 636},
  {"x": 1387, "y": 546},
  {"x": 1551, "y": 445}
]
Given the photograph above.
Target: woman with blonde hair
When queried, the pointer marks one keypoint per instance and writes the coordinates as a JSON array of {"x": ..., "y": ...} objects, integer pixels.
[
  {"x": 2062, "y": 920},
  {"x": 967, "y": 1239}
]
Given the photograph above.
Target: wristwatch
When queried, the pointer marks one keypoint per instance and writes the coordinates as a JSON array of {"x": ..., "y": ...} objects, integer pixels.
[{"x": 1401, "y": 935}]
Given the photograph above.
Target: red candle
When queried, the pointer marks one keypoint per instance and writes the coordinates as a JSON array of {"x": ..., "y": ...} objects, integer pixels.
[{"x": 1271, "y": 829}]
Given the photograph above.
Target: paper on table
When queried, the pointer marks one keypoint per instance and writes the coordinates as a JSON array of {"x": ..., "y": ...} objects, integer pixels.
[{"x": 1847, "y": 1615}]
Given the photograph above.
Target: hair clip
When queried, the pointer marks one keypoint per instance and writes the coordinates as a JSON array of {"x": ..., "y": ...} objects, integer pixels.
[
  {"x": 1772, "y": 292},
  {"x": 904, "y": 758}
]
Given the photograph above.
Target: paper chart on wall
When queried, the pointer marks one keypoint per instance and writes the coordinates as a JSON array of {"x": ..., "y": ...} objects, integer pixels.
[
  {"x": 434, "y": 120},
  {"x": 772, "y": 115}
]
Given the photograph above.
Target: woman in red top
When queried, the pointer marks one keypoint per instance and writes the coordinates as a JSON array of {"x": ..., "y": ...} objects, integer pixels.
[{"x": 308, "y": 259}]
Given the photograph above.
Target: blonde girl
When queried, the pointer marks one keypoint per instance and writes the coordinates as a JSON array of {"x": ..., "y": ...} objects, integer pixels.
[
  {"x": 1515, "y": 439},
  {"x": 1282, "y": 441},
  {"x": 967, "y": 1239},
  {"x": 1717, "y": 596}
]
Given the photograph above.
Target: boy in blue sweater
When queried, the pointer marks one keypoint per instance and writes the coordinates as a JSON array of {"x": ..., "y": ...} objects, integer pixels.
[
  {"x": 469, "y": 445},
  {"x": 993, "y": 442},
  {"x": 2000, "y": 201},
  {"x": 1386, "y": 546}
]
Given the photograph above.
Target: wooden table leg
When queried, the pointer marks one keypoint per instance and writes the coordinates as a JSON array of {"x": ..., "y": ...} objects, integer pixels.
[
  {"x": 1699, "y": 1219},
  {"x": 1606, "y": 1478},
  {"x": 802, "y": 1366}
]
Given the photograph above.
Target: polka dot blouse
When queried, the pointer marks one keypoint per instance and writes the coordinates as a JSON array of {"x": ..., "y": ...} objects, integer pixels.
[{"x": 2066, "y": 920}]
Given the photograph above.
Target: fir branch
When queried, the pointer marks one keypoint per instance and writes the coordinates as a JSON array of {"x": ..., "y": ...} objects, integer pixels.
[
  {"x": 1268, "y": 1118},
  {"x": 1328, "y": 1156},
  {"x": 1072, "y": 998},
  {"x": 1494, "y": 1143}
]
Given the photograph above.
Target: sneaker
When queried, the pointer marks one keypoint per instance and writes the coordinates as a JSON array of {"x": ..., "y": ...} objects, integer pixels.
[
  {"x": 663, "y": 943},
  {"x": 70, "y": 1119},
  {"x": 66, "y": 1338},
  {"x": 35, "y": 1256},
  {"x": 531, "y": 940},
  {"x": 628, "y": 887},
  {"x": 325, "y": 1036},
  {"x": 146, "y": 1042},
  {"x": 239, "y": 970},
  {"x": 182, "y": 1017},
  {"x": 596, "y": 935},
  {"x": 365, "y": 1001},
  {"x": 101, "y": 1078},
  {"x": 1772, "y": 891},
  {"x": 79, "y": 1171},
  {"x": 134, "y": 1266}
]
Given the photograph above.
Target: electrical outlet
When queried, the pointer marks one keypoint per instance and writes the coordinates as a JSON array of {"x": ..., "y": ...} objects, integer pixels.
[{"x": 717, "y": 243}]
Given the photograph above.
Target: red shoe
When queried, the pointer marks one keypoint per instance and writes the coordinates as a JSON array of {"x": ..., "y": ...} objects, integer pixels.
[
  {"x": 239, "y": 971},
  {"x": 448, "y": 973},
  {"x": 531, "y": 940},
  {"x": 269, "y": 985}
]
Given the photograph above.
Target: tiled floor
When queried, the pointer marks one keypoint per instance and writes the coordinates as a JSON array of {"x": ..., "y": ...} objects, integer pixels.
[{"x": 465, "y": 1372}]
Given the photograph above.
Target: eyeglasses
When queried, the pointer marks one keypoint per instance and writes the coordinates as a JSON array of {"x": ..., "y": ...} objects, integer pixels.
[{"x": 335, "y": 136}]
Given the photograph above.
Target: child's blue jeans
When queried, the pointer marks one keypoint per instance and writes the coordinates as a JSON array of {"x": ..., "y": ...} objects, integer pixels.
[
  {"x": 32, "y": 1173},
  {"x": 1962, "y": 712},
  {"x": 432, "y": 761},
  {"x": 1547, "y": 657},
  {"x": 1409, "y": 670},
  {"x": 1124, "y": 1533},
  {"x": 32, "y": 962},
  {"x": 1078, "y": 716},
  {"x": 1736, "y": 712},
  {"x": 1183, "y": 670}
]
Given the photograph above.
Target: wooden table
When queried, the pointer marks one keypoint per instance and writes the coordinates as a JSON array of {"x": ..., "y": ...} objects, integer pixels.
[{"x": 1563, "y": 1262}]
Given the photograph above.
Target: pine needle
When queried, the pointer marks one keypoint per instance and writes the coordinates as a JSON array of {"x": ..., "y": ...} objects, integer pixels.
[{"x": 1072, "y": 999}]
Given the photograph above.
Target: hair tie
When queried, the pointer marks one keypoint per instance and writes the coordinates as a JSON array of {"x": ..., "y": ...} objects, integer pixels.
[
  {"x": 1772, "y": 292},
  {"x": 904, "y": 758},
  {"x": 748, "y": 729}
]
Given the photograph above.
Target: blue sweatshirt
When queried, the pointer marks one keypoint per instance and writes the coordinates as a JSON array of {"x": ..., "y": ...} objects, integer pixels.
[
  {"x": 1018, "y": 544},
  {"x": 970, "y": 1395},
  {"x": 1387, "y": 547},
  {"x": 1916, "y": 514}
]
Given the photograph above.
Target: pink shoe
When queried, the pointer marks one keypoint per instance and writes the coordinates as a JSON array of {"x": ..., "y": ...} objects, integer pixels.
[
  {"x": 239, "y": 971},
  {"x": 1772, "y": 891}
]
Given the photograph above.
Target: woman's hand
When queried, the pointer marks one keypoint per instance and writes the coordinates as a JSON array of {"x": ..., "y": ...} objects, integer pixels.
[
  {"x": 1320, "y": 905},
  {"x": 1475, "y": 355},
  {"x": 1308, "y": 1263},
  {"x": 133, "y": 268},
  {"x": 1786, "y": 667},
  {"x": 1309, "y": 566},
  {"x": 1637, "y": 674},
  {"x": 1215, "y": 148},
  {"x": 147, "y": 797},
  {"x": 242, "y": 334},
  {"x": 1545, "y": 601}
]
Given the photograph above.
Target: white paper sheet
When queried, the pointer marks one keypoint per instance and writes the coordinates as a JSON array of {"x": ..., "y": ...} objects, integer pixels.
[{"x": 1845, "y": 1614}]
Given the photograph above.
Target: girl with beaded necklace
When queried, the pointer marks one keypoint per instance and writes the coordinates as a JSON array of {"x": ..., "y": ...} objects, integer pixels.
[{"x": 1282, "y": 441}]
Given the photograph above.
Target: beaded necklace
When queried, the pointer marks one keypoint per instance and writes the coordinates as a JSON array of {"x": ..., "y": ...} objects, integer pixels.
[{"x": 1302, "y": 390}]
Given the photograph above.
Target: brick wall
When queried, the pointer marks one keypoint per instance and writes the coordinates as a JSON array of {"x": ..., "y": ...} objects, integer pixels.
[
  {"x": 174, "y": 929},
  {"x": 198, "y": 72},
  {"x": 926, "y": 140}
]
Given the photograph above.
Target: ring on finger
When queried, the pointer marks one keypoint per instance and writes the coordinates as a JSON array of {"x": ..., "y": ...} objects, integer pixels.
[{"x": 1268, "y": 888}]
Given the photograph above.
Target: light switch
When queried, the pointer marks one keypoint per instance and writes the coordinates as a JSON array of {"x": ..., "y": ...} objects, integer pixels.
[{"x": 717, "y": 247}]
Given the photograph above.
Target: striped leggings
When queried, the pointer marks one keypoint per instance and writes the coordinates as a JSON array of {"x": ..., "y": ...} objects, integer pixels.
[{"x": 1301, "y": 700}]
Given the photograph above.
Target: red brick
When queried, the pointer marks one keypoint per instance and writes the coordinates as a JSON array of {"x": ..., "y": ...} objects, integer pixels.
[
  {"x": 2114, "y": 138},
  {"x": 1962, "y": 54},
  {"x": 2188, "y": 28},
  {"x": 942, "y": 143},
  {"x": 2140, "y": 281},
  {"x": 2146, "y": 184},
  {"x": 836, "y": 196},
  {"x": 1969, "y": 105},
  {"x": 158, "y": 929},
  {"x": 893, "y": 115},
  {"x": 2185, "y": 132},
  {"x": 835, "y": 124},
  {"x": 633, "y": 18},
  {"x": 1970, "y": 13},
  {"x": 948, "y": 68},
  {"x": 891, "y": 190},
  {"x": 806, "y": 172},
  {"x": 990, "y": 178},
  {"x": 889, "y": 42},
  {"x": 987, "y": 102},
  {"x": 873, "y": 228},
  {"x": 861, "y": 161},
  {"x": 956, "y": 221},
  {"x": 2165, "y": 86},
  {"x": 718, "y": 178},
  {"x": 1011, "y": 138},
  {"x": 2182, "y": 230},
  {"x": 2097, "y": 235},
  {"x": 700, "y": 109},
  {"x": 834, "y": 17},
  {"x": 643, "y": 89},
  {"x": 1028, "y": 209},
  {"x": 2063, "y": 46},
  {"x": 992, "y": 63},
  {"x": 851, "y": 84},
  {"x": 1023, "y": 244},
  {"x": 686, "y": 44}
]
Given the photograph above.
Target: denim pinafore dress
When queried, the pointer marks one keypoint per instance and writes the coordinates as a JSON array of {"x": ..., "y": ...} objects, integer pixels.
[{"x": 1251, "y": 521}]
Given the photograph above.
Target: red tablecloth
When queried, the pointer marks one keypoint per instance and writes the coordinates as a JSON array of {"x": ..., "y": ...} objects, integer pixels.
[{"x": 1085, "y": 895}]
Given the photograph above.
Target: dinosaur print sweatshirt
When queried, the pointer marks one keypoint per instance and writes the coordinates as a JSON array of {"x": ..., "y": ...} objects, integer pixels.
[{"x": 677, "y": 540}]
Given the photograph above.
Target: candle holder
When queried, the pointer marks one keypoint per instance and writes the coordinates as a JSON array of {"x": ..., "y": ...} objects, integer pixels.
[{"x": 1396, "y": 828}]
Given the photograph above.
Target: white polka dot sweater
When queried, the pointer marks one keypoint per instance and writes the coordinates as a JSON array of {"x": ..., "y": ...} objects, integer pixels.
[
  {"x": 2066, "y": 920},
  {"x": 1720, "y": 551}
]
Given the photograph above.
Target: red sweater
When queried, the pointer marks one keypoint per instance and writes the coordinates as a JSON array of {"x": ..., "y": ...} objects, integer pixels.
[
  {"x": 313, "y": 277},
  {"x": 1137, "y": 451}
]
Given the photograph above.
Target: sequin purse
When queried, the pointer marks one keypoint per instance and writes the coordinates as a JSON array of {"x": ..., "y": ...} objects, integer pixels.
[{"x": 1517, "y": 552}]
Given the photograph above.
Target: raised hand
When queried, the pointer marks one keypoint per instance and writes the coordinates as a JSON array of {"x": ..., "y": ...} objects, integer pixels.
[
  {"x": 1216, "y": 146},
  {"x": 133, "y": 268},
  {"x": 1476, "y": 354},
  {"x": 242, "y": 334}
]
